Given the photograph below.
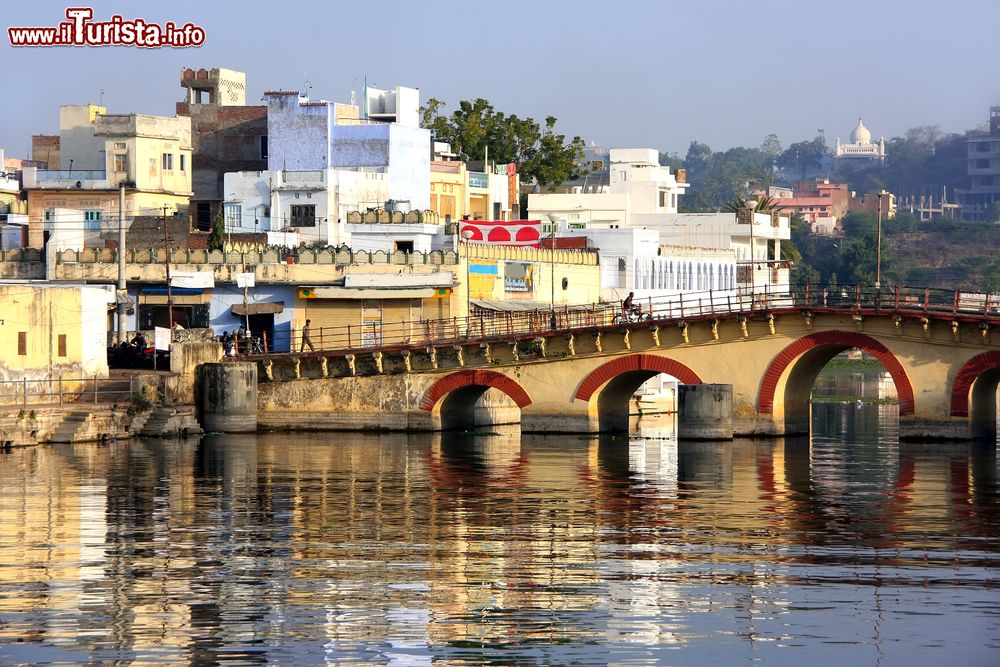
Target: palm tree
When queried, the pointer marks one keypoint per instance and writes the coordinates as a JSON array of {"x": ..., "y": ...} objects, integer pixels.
[{"x": 760, "y": 203}]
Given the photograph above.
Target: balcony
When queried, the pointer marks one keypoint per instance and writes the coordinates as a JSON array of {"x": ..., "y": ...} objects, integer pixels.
[
  {"x": 66, "y": 179},
  {"x": 478, "y": 179}
]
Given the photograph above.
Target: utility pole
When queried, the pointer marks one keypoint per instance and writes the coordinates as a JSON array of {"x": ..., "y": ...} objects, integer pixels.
[
  {"x": 122, "y": 289},
  {"x": 170, "y": 294},
  {"x": 878, "y": 243}
]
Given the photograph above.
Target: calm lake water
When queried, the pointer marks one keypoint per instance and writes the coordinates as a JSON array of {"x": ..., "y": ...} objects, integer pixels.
[{"x": 412, "y": 549}]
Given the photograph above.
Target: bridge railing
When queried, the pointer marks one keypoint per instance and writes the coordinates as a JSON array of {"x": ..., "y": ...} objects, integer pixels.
[
  {"x": 932, "y": 301},
  {"x": 505, "y": 325}
]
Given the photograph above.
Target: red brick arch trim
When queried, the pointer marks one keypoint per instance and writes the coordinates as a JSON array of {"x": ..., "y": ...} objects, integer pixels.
[
  {"x": 845, "y": 339},
  {"x": 967, "y": 375},
  {"x": 450, "y": 383},
  {"x": 634, "y": 362}
]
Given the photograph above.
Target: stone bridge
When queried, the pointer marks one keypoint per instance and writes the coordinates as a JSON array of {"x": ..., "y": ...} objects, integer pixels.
[{"x": 577, "y": 377}]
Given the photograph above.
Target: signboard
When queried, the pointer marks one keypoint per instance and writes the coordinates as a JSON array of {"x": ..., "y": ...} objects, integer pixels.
[
  {"x": 371, "y": 325},
  {"x": 518, "y": 277},
  {"x": 161, "y": 338},
  {"x": 483, "y": 275},
  {"x": 245, "y": 280},
  {"x": 198, "y": 279},
  {"x": 512, "y": 189}
]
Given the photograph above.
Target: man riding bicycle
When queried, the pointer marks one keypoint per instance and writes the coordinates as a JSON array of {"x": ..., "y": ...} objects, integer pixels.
[{"x": 630, "y": 309}]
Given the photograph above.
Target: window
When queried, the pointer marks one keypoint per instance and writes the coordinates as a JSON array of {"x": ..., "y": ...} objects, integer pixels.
[
  {"x": 168, "y": 162},
  {"x": 183, "y": 162},
  {"x": 92, "y": 221},
  {"x": 62, "y": 345},
  {"x": 22, "y": 343},
  {"x": 121, "y": 163},
  {"x": 303, "y": 215},
  {"x": 121, "y": 146},
  {"x": 262, "y": 145},
  {"x": 234, "y": 215},
  {"x": 663, "y": 198},
  {"x": 404, "y": 246},
  {"x": 983, "y": 147}
]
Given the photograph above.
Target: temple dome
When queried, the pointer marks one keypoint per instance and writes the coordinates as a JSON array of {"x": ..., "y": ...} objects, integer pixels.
[{"x": 861, "y": 135}]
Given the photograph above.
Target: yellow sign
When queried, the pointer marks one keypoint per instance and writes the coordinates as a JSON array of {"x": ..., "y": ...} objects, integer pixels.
[
  {"x": 482, "y": 278},
  {"x": 442, "y": 293},
  {"x": 306, "y": 293}
]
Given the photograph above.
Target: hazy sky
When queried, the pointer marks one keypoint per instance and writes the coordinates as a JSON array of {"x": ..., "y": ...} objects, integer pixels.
[{"x": 625, "y": 73}]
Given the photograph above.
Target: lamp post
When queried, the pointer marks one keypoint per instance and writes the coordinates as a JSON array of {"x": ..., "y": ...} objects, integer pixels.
[
  {"x": 553, "y": 218},
  {"x": 751, "y": 207},
  {"x": 467, "y": 235},
  {"x": 878, "y": 242}
]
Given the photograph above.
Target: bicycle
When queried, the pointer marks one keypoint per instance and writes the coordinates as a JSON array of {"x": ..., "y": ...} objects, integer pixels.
[{"x": 631, "y": 316}]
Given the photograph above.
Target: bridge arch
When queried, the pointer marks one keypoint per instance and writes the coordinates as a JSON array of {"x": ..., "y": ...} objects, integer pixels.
[
  {"x": 805, "y": 358},
  {"x": 974, "y": 391},
  {"x": 609, "y": 386},
  {"x": 457, "y": 395}
]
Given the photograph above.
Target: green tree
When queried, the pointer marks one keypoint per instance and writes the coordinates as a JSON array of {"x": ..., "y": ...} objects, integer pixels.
[
  {"x": 542, "y": 154},
  {"x": 771, "y": 146},
  {"x": 802, "y": 156},
  {"x": 217, "y": 237},
  {"x": 992, "y": 213}
]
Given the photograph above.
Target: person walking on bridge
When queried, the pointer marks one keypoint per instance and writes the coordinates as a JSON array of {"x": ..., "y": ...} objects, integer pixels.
[{"x": 305, "y": 338}]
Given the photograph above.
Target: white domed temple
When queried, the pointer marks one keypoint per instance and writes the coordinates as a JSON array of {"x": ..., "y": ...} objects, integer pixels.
[{"x": 861, "y": 145}]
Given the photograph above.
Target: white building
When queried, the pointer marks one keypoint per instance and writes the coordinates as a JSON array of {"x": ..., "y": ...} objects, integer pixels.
[
  {"x": 312, "y": 204},
  {"x": 307, "y": 135},
  {"x": 756, "y": 245},
  {"x": 638, "y": 186},
  {"x": 861, "y": 145},
  {"x": 695, "y": 251},
  {"x": 399, "y": 237},
  {"x": 639, "y": 261}
]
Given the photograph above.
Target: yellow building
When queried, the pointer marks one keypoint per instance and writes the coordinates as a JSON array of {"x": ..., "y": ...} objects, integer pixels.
[
  {"x": 514, "y": 278},
  {"x": 449, "y": 194},
  {"x": 52, "y": 329},
  {"x": 458, "y": 192},
  {"x": 150, "y": 155},
  {"x": 378, "y": 305}
]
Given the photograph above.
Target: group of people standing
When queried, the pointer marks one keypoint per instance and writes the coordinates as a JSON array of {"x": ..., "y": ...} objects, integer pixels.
[{"x": 235, "y": 343}]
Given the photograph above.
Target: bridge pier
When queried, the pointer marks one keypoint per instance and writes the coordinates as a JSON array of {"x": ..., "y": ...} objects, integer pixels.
[{"x": 705, "y": 412}]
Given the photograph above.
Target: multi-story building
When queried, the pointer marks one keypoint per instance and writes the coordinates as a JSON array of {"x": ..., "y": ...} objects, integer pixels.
[
  {"x": 306, "y": 134},
  {"x": 983, "y": 170},
  {"x": 639, "y": 189},
  {"x": 226, "y": 135},
  {"x": 821, "y": 203},
  {"x": 149, "y": 155},
  {"x": 311, "y": 204},
  {"x": 475, "y": 190}
]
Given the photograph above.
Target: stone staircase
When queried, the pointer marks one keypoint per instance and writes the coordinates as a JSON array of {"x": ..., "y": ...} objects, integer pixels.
[
  {"x": 170, "y": 420},
  {"x": 72, "y": 424}
]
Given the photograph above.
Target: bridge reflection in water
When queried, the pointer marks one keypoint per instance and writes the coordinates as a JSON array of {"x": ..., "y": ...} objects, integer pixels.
[{"x": 278, "y": 548}]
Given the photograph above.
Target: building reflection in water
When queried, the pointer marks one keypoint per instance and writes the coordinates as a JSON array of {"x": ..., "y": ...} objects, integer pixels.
[{"x": 328, "y": 548}]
